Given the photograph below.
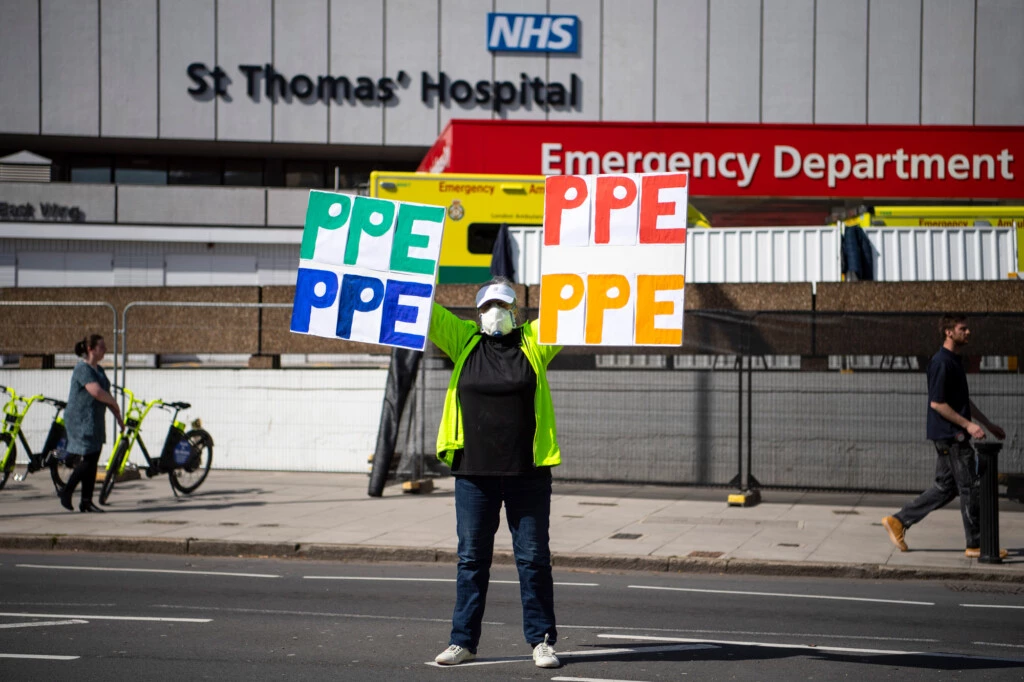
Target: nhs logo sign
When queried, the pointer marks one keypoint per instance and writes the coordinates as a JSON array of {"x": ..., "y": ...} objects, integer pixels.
[{"x": 532, "y": 32}]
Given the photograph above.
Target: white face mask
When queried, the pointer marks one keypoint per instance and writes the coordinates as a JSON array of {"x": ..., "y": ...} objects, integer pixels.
[{"x": 496, "y": 321}]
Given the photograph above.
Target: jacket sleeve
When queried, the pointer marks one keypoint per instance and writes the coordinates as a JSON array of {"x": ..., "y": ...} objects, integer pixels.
[
  {"x": 545, "y": 353},
  {"x": 448, "y": 332}
]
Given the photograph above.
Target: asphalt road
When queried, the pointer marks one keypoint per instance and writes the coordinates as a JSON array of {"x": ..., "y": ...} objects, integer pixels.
[{"x": 119, "y": 617}]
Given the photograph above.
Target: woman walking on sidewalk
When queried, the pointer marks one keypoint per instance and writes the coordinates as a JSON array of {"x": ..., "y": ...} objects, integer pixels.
[
  {"x": 87, "y": 405},
  {"x": 498, "y": 436}
]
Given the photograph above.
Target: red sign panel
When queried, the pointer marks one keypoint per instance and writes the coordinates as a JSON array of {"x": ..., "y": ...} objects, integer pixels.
[{"x": 769, "y": 160}]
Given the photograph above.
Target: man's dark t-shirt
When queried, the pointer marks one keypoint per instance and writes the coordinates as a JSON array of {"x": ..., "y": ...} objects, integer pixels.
[
  {"x": 496, "y": 392},
  {"x": 947, "y": 383}
]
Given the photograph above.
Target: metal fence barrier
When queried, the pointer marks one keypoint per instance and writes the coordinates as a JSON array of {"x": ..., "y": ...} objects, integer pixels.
[{"x": 669, "y": 417}]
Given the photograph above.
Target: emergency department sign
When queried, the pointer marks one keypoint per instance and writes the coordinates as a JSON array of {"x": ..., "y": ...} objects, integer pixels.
[
  {"x": 367, "y": 269},
  {"x": 613, "y": 260}
]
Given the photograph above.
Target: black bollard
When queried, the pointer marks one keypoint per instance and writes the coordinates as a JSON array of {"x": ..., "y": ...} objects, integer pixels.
[{"x": 988, "y": 456}]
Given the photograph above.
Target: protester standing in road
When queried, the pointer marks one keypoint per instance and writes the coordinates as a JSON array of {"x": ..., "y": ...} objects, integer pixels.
[
  {"x": 498, "y": 436},
  {"x": 87, "y": 405},
  {"x": 950, "y": 428}
]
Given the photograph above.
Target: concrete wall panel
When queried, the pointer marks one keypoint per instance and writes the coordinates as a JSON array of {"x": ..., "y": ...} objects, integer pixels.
[
  {"x": 894, "y": 61},
  {"x": 627, "y": 75},
  {"x": 734, "y": 68},
  {"x": 19, "y": 67},
  {"x": 464, "y": 56},
  {"x": 187, "y": 35},
  {"x": 96, "y": 202},
  {"x": 244, "y": 37},
  {"x": 70, "y": 67},
  {"x": 128, "y": 68},
  {"x": 287, "y": 207},
  {"x": 787, "y": 78},
  {"x": 300, "y": 48},
  {"x": 509, "y": 65},
  {"x": 840, "y": 61},
  {"x": 681, "y": 60},
  {"x": 411, "y": 44},
  {"x": 999, "y": 91},
  {"x": 586, "y": 64},
  {"x": 183, "y": 205},
  {"x": 357, "y": 49},
  {"x": 947, "y": 63}
]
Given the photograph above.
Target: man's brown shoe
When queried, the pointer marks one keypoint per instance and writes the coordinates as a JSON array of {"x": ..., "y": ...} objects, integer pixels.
[
  {"x": 895, "y": 528},
  {"x": 975, "y": 553}
]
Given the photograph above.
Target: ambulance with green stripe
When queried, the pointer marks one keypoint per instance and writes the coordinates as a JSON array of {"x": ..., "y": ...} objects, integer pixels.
[{"x": 476, "y": 207}]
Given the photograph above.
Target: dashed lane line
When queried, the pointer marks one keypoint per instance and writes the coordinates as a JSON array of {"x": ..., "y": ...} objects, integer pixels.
[
  {"x": 147, "y": 570},
  {"x": 429, "y": 580},
  {"x": 42, "y": 623},
  {"x": 1011, "y": 646},
  {"x": 991, "y": 606},
  {"x": 814, "y": 647},
  {"x": 783, "y": 594},
  {"x": 749, "y": 633},
  {"x": 152, "y": 619},
  {"x": 41, "y": 657}
]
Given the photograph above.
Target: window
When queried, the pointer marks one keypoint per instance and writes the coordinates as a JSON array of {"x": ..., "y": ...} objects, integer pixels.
[
  {"x": 304, "y": 174},
  {"x": 480, "y": 237},
  {"x": 243, "y": 173},
  {"x": 136, "y": 171},
  {"x": 90, "y": 170},
  {"x": 194, "y": 172}
]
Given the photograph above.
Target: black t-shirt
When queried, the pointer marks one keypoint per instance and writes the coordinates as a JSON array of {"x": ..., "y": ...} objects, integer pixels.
[
  {"x": 496, "y": 393},
  {"x": 947, "y": 383}
]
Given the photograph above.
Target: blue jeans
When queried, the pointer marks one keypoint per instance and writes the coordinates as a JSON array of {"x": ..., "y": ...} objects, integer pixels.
[{"x": 478, "y": 501}]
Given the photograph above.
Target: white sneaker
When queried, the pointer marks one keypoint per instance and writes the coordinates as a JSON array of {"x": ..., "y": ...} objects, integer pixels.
[
  {"x": 456, "y": 654},
  {"x": 544, "y": 655}
]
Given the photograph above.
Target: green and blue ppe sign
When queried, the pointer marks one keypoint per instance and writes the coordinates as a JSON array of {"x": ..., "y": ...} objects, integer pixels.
[{"x": 367, "y": 269}]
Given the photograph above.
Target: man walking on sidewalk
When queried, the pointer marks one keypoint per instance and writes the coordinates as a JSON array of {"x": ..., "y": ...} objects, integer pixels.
[{"x": 949, "y": 427}]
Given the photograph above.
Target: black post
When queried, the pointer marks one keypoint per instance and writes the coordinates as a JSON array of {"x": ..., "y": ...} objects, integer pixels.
[
  {"x": 739, "y": 423},
  {"x": 748, "y": 476},
  {"x": 988, "y": 455}
]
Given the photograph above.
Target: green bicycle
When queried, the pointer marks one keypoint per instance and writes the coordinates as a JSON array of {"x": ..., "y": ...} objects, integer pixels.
[
  {"x": 185, "y": 457},
  {"x": 54, "y": 448}
]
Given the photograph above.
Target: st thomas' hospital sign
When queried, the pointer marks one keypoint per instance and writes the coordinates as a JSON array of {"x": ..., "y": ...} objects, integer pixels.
[{"x": 276, "y": 86}]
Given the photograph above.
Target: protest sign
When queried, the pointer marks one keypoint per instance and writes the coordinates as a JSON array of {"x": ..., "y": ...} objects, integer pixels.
[
  {"x": 613, "y": 259},
  {"x": 367, "y": 269}
]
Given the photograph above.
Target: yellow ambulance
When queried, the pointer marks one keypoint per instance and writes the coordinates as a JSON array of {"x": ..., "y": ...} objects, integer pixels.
[
  {"x": 947, "y": 216},
  {"x": 476, "y": 206}
]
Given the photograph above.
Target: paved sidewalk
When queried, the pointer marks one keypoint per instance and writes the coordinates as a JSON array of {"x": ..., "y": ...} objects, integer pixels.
[{"x": 330, "y": 516}]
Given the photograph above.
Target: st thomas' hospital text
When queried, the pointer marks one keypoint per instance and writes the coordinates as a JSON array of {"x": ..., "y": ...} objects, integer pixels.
[
  {"x": 789, "y": 162},
  {"x": 496, "y": 94}
]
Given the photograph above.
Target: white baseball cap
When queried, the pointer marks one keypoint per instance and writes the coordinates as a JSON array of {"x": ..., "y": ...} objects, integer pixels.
[{"x": 495, "y": 292}]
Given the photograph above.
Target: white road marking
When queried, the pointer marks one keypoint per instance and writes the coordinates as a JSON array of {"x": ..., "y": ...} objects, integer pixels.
[
  {"x": 809, "y": 647},
  {"x": 36, "y": 624},
  {"x": 755, "y": 633},
  {"x": 429, "y": 580},
  {"x": 618, "y": 651},
  {"x": 148, "y": 570},
  {"x": 991, "y": 606},
  {"x": 94, "y": 617},
  {"x": 585, "y": 679},
  {"x": 40, "y": 657},
  {"x": 321, "y": 614},
  {"x": 783, "y": 594},
  {"x": 1012, "y": 646}
]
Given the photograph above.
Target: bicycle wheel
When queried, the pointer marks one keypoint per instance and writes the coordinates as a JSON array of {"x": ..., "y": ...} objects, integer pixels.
[
  {"x": 111, "y": 476},
  {"x": 187, "y": 478},
  {"x": 8, "y": 466},
  {"x": 61, "y": 468}
]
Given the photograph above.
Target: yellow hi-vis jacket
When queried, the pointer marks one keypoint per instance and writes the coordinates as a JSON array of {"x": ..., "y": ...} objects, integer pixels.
[{"x": 456, "y": 338}]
